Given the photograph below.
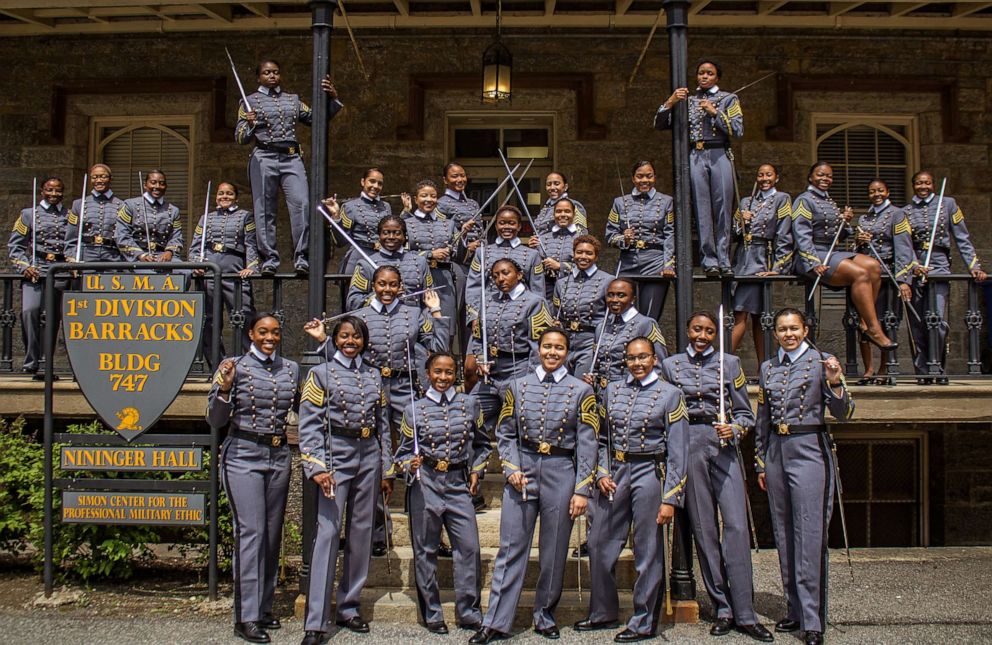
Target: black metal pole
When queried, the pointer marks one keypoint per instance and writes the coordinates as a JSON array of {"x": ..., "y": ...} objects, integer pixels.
[
  {"x": 322, "y": 22},
  {"x": 49, "y": 428},
  {"x": 215, "y": 336},
  {"x": 676, "y": 15}
]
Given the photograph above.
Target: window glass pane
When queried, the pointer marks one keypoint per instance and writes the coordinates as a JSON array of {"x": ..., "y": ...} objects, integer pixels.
[
  {"x": 476, "y": 143},
  {"x": 526, "y": 143}
]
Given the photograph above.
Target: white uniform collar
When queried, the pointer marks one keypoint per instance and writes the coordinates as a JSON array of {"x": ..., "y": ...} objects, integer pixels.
[
  {"x": 651, "y": 193},
  {"x": 571, "y": 228},
  {"x": 878, "y": 209},
  {"x": 344, "y": 360},
  {"x": 557, "y": 375},
  {"x": 693, "y": 353},
  {"x": 108, "y": 193},
  {"x": 379, "y": 307},
  {"x": 590, "y": 272},
  {"x": 816, "y": 191},
  {"x": 514, "y": 243},
  {"x": 628, "y": 315},
  {"x": 517, "y": 291},
  {"x": 259, "y": 354},
  {"x": 369, "y": 199},
  {"x": 45, "y": 205},
  {"x": 437, "y": 397},
  {"x": 765, "y": 194},
  {"x": 646, "y": 381},
  {"x": 422, "y": 215},
  {"x": 794, "y": 354},
  {"x": 712, "y": 90},
  {"x": 151, "y": 200},
  {"x": 918, "y": 201},
  {"x": 277, "y": 90},
  {"x": 454, "y": 194}
]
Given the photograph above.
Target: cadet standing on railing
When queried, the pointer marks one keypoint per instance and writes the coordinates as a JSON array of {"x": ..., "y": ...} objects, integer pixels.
[
  {"x": 557, "y": 188},
  {"x": 579, "y": 303},
  {"x": 642, "y": 226},
  {"x": 792, "y": 455},
  {"x": 360, "y": 217},
  {"x": 884, "y": 233},
  {"x": 764, "y": 247},
  {"x": 148, "y": 227},
  {"x": 714, "y": 118},
  {"x": 547, "y": 444},
  {"x": 269, "y": 120},
  {"x": 100, "y": 218},
  {"x": 253, "y": 396},
  {"x": 716, "y": 476},
  {"x": 643, "y": 466},
  {"x": 345, "y": 447},
  {"x": 415, "y": 273},
  {"x": 37, "y": 241},
  {"x": 444, "y": 450},
  {"x": 228, "y": 239},
  {"x": 922, "y": 211}
]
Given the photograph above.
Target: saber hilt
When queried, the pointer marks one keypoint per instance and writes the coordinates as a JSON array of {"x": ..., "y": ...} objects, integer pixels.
[
  {"x": 492, "y": 196},
  {"x": 405, "y": 296},
  {"x": 523, "y": 201},
  {"x": 830, "y": 252},
  {"x": 340, "y": 229},
  {"x": 933, "y": 229},
  {"x": 237, "y": 79}
]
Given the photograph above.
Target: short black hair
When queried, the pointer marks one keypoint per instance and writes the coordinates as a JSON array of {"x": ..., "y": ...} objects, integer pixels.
[
  {"x": 712, "y": 61},
  {"x": 554, "y": 330},
  {"x": 387, "y": 267},
  {"x": 357, "y": 324}
]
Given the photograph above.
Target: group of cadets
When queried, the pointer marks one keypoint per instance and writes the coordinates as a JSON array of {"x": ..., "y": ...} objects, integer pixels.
[{"x": 565, "y": 370}]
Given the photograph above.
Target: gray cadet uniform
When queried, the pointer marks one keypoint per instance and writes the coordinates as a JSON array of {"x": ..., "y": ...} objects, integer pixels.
[
  {"x": 815, "y": 218},
  {"x": 255, "y": 469},
  {"x": 715, "y": 481},
  {"x": 764, "y": 244},
  {"x": 459, "y": 208},
  {"x": 276, "y": 162},
  {"x": 792, "y": 448},
  {"x": 414, "y": 274},
  {"x": 921, "y": 216},
  {"x": 711, "y": 167},
  {"x": 514, "y": 322},
  {"x": 452, "y": 444},
  {"x": 547, "y": 430},
  {"x": 49, "y": 240},
  {"x": 429, "y": 231},
  {"x": 580, "y": 306},
  {"x": 229, "y": 241},
  {"x": 558, "y": 245},
  {"x": 618, "y": 331},
  {"x": 147, "y": 225},
  {"x": 545, "y": 219},
  {"x": 892, "y": 238},
  {"x": 99, "y": 220},
  {"x": 647, "y": 457},
  {"x": 343, "y": 431},
  {"x": 652, "y": 217},
  {"x": 529, "y": 260},
  {"x": 360, "y": 219}
]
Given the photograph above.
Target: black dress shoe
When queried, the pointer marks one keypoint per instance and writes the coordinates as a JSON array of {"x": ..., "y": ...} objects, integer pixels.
[
  {"x": 437, "y": 628},
  {"x": 487, "y": 635},
  {"x": 314, "y": 638},
  {"x": 630, "y": 636},
  {"x": 302, "y": 269},
  {"x": 251, "y": 632},
  {"x": 268, "y": 621},
  {"x": 444, "y": 551},
  {"x": 587, "y": 625},
  {"x": 813, "y": 638},
  {"x": 479, "y": 503},
  {"x": 722, "y": 627},
  {"x": 581, "y": 551},
  {"x": 549, "y": 633},
  {"x": 355, "y": 624},
  {"x": 940, "y": 380},
  {"x": 727, "y": 272},
  {"x": 785, "y": 625},
  {"x": 470, "y": 626},
  {"x": 268, "y": 270},
  {"x": 924, "y": 381},
  {"x": 757, "y": 631},
  {"x": 712, "y": 272},
  {"x": 378, "y": 550},
  {"x": 40, "y": 376}
]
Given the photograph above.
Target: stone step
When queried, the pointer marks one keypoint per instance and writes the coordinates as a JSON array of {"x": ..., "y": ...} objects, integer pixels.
[{"x": 488, "y": 524}]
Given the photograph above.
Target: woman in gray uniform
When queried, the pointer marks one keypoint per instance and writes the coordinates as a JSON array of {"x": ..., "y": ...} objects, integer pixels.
[
  {"x": 547, "y": 444},
  {"x": 716, "y": 476},
  {"x": 444, "y": 451},
  {"x": 253, "y": 396},
  {"x": 816, "y": 219},
  {"x": 360, "y": 218},
  {"x": 556, "y": 185},
  {"x": 99, "y": 219},
  {"x": 149, "y": 228},
  {"x": 579, "y": 303},
  {"x": 642, "y": 226},
  {"x": 226, "y": 236},
  {"x": 345, "y": 447},
  {"x": 763, "y": 226},
  {"x": 557, "y": 243},
  {"x": 414, "y": 271},
  {"x": 793, "y": 458}
]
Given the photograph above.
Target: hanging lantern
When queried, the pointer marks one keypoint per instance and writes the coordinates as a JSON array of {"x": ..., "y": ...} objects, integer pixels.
[{"x": 497, "y": 67}]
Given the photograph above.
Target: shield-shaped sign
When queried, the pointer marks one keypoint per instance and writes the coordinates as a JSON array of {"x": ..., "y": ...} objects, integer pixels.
[{"x": 131, "y": 351}]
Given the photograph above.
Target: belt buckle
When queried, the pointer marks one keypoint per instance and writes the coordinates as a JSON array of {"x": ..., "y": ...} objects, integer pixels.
[
  {"x": 639, "y": 244},
  {"x": 386, "y": 371},
  {"x": 700, "y": 145},
  {"x": 603, "y": 382},
  {"x": 50, "y": 257},
  {"x": 366, "y": 432},
  {"x": 574, "y": 325},
  {"x": 433, "y": 264},
  {"x": 493, "y": 350},
  {"x": 291, "y": 150},
  {"x": 152, "y": 246},
  {"x": 442, "y": 466},
  {"x": 544, "y": 448},
  {"x": 98, "y": 239},
  {"x": 783, "y": 428},
  {"x": 620, "y": 455},
  {"x": 217, "y": 246},
  {"x": 276, "y": 441},
  {"x": 747, "y": 238},
  {"x": 926, "y": 246}
]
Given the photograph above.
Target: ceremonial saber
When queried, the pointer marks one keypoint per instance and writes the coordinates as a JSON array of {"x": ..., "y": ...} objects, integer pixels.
[
  {"x": 668, "y": 567},
  {"x": 609, "y": 444},
  {"x": 826, "y": 260},
  {"x": 840, "y": 505},
  {"x": 602, "y": 330},
  {"x": 723, "y": 382},
  {"x": 933, "y": 231},
  {"x": 144, "y": 212},
  {"x": 520, "y": 438},
  {"x": 496, "y": 192},
  {"x": 330, "y": 444},
  {"x": 623, "y": 192},
  {"x": 483, "y": 332},
  {"x": 82, "y": 211},
  {"x": 747, "y": 498},
  {"x": 388, "y": 520},
  {"x": 406, "y": 296},
  {"x": 340, "y": 229},
  {"x": 746, "y": 225},
  {"x": 237, "y": 79},
  {"x": 413, "y": 406},
  {"x": 888, "y": 272},
  {"x": 34, "y": 225},
  {"x": 523, "y": 201},
  {"x": 206, "y": 213},
  {"x": 738, "y": 91},
  {"x": 578, "y": 560}
]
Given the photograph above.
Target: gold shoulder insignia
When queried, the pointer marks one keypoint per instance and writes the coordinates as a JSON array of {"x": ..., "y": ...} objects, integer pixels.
[
  {"x": 538, "y": 268},
  {"x": 20, "y": 226},
  {"x": 73, "y": 218},
  {"x": 802, "y": 210},
  {"x": 741, "y": 380},
  {"x": 670, "y": 217},
  {"x": 383, "y": 402},
  {"x": 123, "y": 215},
  {"x": 614, "y": 217},
  {"x": 655, "y": 335},
  {"x": 476, "y": 266},
  {"x": 312, "y": 392},
  {"x": 735, "y": 109},
  {"x": 198, "y": 231},
  {"x": 903, "y": 227},
  {"x": 346, "y": 221},
  {"x": 761, "y": 395},
  {"x": 675, "y": 490},
  {"x": 507, "y": 409},
  {"x": 218, "y": 378},
  {"x": 556, "y": 301},
  {"x": 250, "y": 225},
  {"x": 427, "y": 327},
  {"x": 580, "y": 219},
  {"x": 957, "y": 217},
  {"x": 480, "y": 421},
  {"x": 785, "y": 210},
  {"x": 405, "y": 427},
  {"x": 358, "y": 280},
  {"x": 679, "y": 413},
  {"x": 539, "y": 322},
  {"x": 429, "y": 281},
  {"x": 590, "y": 412}
]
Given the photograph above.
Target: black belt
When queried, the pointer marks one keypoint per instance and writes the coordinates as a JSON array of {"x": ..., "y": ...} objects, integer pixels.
[
  {"x": 640, "y": 245},
  {"x": 545, "y": 448},
  {"x": 443, "y": 465},
  {"x": 274, "y": 440},
  {"x": 709, "y": 145},
  {"x": 439, "y": 264},
  {"x": 284, "y": 147},
  {"x": 798, "y": 428},
  {"x": 576, "y": 326},
  {"x": 220, "y": 247},
  {"x": 702, "y": 418},
  {"x": 638, "y": 457},
  {"x": 49, "y": 257},
  {"x": 100, "y": 240},
  {"x": 389, "y": 372},
  {"x": 355, "y": 433}
]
